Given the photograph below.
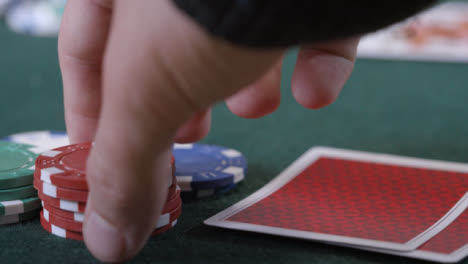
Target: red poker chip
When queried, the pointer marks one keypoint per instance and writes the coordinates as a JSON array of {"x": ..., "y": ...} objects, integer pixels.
[
  {"x": 70, "y": 216},
  {"x": 79, "y": 207},
  {"x": 170, "y": 206},
  {"x": 66, "y": 166},
  {"x": 73, "y": 194},
  {"x": 51, "y": 227},
  {"x": 59, "y": 192},
  {"x": 164, "y": 228},
  {"x": 165, "y": 219},
  {"x": 61, "y": 222},
  {"x": 58, "y": 231},
  {"x": 172, "y": 190},
  {"x": 172, "y": 202},
  {"x": 66, "y": 205},
  {"x": 37, "y": 177}
]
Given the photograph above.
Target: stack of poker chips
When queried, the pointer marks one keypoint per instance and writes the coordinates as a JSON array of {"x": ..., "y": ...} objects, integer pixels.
[
  {"x": 60, "y": 180},
  {"x": 18, "y": 198},
  {"x": 207, "y": 170}
]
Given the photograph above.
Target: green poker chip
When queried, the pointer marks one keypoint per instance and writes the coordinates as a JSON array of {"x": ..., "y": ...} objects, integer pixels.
[
  {"x": 16, "y": 218},
  {"x": 18, "y": 193},
  {"x": 16, "y": 165},
  {"x": 19, "y": 206}
]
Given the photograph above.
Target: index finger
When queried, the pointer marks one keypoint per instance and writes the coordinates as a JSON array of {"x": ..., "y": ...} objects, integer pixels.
[
  {"x": 155, "y": 78},
  {"x": 82, "y": 40}
]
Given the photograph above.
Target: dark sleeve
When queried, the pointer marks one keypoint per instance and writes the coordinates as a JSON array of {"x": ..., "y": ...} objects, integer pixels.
[{"x": 268, "y": 23}]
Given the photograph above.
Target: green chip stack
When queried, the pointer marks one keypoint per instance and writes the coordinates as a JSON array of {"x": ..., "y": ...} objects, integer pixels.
[{"x": 18, "y": 198}]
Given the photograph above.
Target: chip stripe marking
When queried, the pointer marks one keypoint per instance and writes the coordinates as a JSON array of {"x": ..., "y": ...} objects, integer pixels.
[
  {"x": 46, "y": 173},
  {"x": 12, "y": 207},
  {"x": 16, "y": 218},
  {"x": 75, "y": 226},
  {"x": 51, "y": 153},
  {"x": 48, "y": 189},
  {"x": 58, "y": 231}
]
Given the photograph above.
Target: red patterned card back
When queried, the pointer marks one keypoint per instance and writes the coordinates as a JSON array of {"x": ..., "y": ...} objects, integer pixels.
[
  {"x": 452, "y": 238},
  {"x": 359, "y": 199}
]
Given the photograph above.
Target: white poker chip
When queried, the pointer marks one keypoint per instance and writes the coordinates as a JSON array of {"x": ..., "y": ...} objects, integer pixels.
[
  {"x": 42, "y": 140},
  {"x": 35, "y": 17}
]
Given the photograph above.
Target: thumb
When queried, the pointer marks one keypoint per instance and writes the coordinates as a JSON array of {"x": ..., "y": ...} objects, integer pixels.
[{"x": 159, "y": 70}]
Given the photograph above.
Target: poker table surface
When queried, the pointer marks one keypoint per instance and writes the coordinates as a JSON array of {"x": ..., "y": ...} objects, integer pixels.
[{"x": 416, "y": 109}]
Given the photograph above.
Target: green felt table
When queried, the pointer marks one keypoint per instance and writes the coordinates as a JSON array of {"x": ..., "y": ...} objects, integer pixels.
[{"x": 405, "y": 108}]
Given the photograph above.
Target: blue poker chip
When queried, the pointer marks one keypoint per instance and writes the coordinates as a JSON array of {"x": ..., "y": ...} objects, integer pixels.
[
  {"x": 42, "y": 140},
  {"x": 201, "y": 166},
  {"x": 205, "y": 193}
]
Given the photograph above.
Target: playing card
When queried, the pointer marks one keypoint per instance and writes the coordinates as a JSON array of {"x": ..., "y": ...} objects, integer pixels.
[
  {"x": 355, "y": 198},
  {"x": 438, "y": 34},
  {"x": 448, "y": 246}
]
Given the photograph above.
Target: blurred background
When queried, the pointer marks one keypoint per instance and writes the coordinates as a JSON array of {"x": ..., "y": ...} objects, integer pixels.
[
  {"x": 33, "y": 17},
  {"x": 408, "y": 83}
]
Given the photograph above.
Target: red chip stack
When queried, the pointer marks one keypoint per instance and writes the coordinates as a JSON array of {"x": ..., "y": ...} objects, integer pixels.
[{"x": 60, "y": 180}]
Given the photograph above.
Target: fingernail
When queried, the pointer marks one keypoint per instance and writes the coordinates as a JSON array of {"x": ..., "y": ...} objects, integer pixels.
[{"x": 103, "y": 239}]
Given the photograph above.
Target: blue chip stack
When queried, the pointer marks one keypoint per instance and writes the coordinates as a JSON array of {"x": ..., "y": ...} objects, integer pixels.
[{"x": 206, "y": 170}]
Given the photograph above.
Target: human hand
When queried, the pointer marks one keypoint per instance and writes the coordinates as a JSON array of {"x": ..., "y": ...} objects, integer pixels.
[{"x": 139, "y": 75}]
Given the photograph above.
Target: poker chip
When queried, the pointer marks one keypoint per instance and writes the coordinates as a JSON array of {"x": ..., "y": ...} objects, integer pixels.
[
  {"x": 58, "y": 231},
  {"x": 19, "y": 206},
  {"x": 61, "y": 232},
  {"x": 41, "y": 140},
  {"x": 205, "y": 193},
  {"x": 16, "y": 166},
  {"x": 61, "y": 193},
  {"x": 73, "y": 216},
  {"x": 164, "y": 228},
  {"x": 17, "y": 193},
  {"x": 164, "y": 220},
  {"x": 201, "y": 166},
  {"x": 16, "y": 218},
  {"x": 71, "y": 194},
  {"x": 66, "y": 205},
  {"x": 64, "y": 166},
  {"x": 79, "y": 207},
  {"x": 172, "y": 201},
  {"x": 167, "y": 218},
  {"x": 35, "y": 17},
  {"x": 172, "y": 190},
  {"x": 62, "y": 222},
  {"x": 170, "y": 205}
]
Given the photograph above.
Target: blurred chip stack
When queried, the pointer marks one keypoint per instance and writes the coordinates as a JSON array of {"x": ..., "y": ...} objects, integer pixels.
[
  {"x": 33, "y": 17},
  {"x": 18, "y": 198}
]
